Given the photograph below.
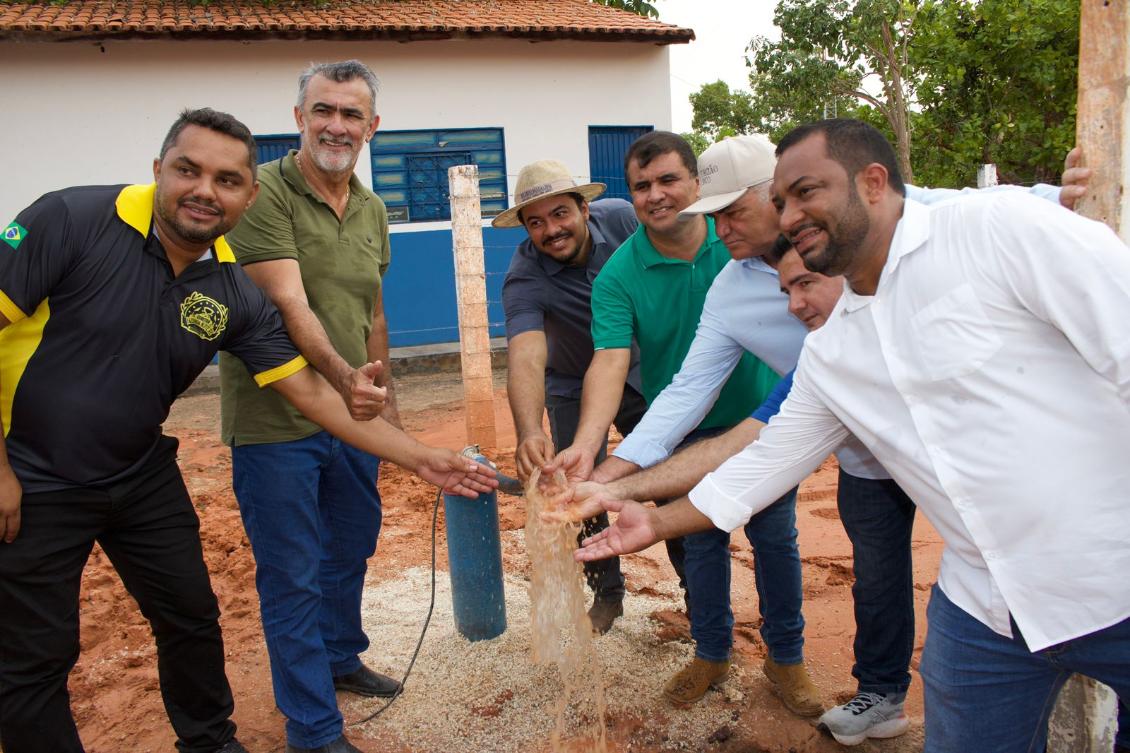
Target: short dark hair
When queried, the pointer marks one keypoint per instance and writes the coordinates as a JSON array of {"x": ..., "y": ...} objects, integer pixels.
[
  {"x": 780, "y": 247},
  {"x": 651, "y": 145},
  {"x": 576, "y": 197},
  {"x": 346, "y": 70},
  {"x": 213, "y": 120},
  {"x": 852, "y": 143}
]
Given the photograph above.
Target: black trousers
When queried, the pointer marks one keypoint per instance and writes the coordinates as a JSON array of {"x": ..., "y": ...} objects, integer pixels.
[
  {"x": 149, "y": 530},
  {"x": 603, "y": 576}
]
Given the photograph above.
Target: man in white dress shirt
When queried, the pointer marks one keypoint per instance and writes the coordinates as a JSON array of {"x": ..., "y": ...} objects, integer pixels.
[{"x": 980, "y": 352}]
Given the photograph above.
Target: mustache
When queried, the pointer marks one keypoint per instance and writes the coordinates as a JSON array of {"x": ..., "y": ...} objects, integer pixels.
[
  {"x": 797, "y": 231},
  {"x": 559, "y": 236},
  {"x": 335, "y": 142},
  {"x": 201, "y": 203}
]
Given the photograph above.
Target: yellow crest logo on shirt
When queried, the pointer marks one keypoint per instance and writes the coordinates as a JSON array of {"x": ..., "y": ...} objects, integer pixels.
[{"x": 203, "y": 316}]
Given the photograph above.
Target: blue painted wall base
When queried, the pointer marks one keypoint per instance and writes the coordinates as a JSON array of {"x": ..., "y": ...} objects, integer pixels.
[{"x": 419, "y": 293}]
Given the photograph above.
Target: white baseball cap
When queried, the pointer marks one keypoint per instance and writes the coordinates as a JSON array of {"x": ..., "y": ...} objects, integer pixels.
[{"x": 728, "y": 168}]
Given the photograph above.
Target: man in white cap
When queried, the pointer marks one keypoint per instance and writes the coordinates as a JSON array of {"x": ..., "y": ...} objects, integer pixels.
[
  {"x": 546, "y": 299},
  {"x": 652, "y": 292}
]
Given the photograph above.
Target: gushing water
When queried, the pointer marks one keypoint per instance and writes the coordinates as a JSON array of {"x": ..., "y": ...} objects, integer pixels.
[{"x": 560, "y": 629}]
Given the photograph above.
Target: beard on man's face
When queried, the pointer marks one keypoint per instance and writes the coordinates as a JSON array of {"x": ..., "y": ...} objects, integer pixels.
[
  {"x": 192, "y": 233},
  {"x": 843, "y": 245}
]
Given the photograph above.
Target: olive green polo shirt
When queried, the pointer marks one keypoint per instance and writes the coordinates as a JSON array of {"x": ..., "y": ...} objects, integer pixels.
[
  {"x": 342, "y": 263},
  {"x": 642, "y": 294}
]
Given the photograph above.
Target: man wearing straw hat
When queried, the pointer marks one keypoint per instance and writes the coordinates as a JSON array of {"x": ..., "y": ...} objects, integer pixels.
[{"x": 546, "y": 298}]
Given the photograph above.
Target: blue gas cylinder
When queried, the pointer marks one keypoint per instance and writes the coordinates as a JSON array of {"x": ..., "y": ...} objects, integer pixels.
[{"x": 474, "y": 554}]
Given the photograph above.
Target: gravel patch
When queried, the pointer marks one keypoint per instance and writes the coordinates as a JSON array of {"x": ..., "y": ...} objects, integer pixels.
[{"x": 492, "y": 696}]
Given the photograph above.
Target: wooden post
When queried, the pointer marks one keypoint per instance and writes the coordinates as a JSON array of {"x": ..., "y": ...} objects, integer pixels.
[
  {"x": 471, "y": 299},
  {"x": 1083, "y": 720}
]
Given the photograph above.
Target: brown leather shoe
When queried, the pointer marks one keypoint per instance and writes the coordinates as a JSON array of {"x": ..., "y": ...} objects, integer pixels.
[
  {"x": 603, "y": 613},
  {"x": 691, "y": 683},
  {"x": 793, "y": 686}
]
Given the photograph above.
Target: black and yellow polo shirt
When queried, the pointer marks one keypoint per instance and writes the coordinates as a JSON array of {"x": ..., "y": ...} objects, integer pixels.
[{"x": 104, "y": 337}]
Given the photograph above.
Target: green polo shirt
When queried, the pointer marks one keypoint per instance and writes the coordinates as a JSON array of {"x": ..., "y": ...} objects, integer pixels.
[
  {"x": 342, "y": 263},
  {"x": 644, "y": 295}
]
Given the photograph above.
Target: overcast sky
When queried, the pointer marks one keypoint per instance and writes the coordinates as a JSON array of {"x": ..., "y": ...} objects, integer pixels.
[{"x": 722, "y": 29}]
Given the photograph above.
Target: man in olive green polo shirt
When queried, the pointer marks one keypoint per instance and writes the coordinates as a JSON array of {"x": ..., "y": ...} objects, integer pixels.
[
  {"x": 653, "y": 289},
  {"x": 317, "y": 242}
]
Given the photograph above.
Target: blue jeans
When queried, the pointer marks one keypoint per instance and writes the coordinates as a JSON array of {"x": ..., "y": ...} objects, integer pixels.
[
  {"x": 878, "y": 518},
  {"x": 776, "y": 568},
  {"x": 984, "y": 691},
  {"x": 312, "y": 513}
]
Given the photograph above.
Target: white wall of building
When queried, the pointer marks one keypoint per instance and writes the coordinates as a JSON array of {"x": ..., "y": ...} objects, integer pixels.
[{"x": 83, "y": 113}]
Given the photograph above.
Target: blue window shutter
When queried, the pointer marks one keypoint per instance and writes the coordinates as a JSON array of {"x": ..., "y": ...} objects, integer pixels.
[
  {"x": 607, "y": 147},
  {"x": 274, "y": 147}
]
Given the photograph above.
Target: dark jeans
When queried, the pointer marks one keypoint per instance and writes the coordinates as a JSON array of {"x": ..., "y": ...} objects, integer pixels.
[
  {"x": 1122, "y": 737},
  {"x": 149, "y": 530},
  {"x": 603, "y": 576},
  {"x": 777, "y": 577},
  {"x": 312, "y": 512},
  {"x": 878, "y": 518}
]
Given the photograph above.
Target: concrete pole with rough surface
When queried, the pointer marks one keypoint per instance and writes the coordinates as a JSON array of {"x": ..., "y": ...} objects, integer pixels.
[
  {"x": 1084, "y": 717},
  {"x": 471, "y": 300},
  {"x": 1103, "y": 112}
]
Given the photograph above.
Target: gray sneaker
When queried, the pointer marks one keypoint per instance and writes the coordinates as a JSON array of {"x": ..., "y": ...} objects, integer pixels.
[{"x": 866, "y": 715}]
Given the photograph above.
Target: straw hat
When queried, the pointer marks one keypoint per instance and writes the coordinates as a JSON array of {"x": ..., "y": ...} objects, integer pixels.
[{"x": 540, "y": 180}]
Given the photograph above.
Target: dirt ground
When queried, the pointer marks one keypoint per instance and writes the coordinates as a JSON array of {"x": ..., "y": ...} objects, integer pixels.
[{"x": 114, "y": 686}]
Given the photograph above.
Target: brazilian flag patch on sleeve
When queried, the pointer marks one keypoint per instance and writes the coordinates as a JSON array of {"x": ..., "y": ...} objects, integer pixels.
[{"x": 14, "y": 234}]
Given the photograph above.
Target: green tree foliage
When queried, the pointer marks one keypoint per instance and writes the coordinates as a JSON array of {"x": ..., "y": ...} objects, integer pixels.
[
  {"x": 998, "y": 85},
  {"x": 953, "y": 83},
  {"x": 719, "y": 112},
  {"x": 639, "y": 7},
  {"x": 832, "y": 56}
]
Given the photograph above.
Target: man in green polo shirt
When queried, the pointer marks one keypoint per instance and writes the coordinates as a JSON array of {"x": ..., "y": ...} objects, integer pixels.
[
  {"x": 652, "y": 290},
  {"x": 317, "y": 242}
]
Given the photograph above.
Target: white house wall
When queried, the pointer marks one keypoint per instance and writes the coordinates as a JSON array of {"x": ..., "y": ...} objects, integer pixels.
[{"x": 81, "y": 113}]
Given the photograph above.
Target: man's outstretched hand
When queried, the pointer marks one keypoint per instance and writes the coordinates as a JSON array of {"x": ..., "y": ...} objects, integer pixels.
[
  {"x": 533, "y": 451},
  {"x": 633, "y": 531},
  {"x": 575, "y": 462},
  {"x": 456, "y": 474},
  {"x": 581, "y": 502}
]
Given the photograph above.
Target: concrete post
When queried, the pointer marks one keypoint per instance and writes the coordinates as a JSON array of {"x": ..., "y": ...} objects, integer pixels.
[
  {"x": 986, "y": 175},
  {"x": 1103, "y": 113},
  {"x": 471, "y": 300},
  {"x": 1083, "y": 720}
]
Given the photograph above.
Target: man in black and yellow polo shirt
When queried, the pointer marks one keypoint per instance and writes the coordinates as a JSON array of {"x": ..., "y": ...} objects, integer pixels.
[{"x": 112, "y": 300}]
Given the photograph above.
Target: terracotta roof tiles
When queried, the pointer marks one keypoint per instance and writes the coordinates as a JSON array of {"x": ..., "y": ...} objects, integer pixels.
[{"x": 336, "y": 19}]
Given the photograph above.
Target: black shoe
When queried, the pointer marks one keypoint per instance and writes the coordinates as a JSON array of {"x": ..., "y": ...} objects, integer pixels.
[
  {"x": 232, "y": 746},
  {"x": 603, "y": 613},
  {"x": 366, "y": 682},
  {"x": 340, "y": 745}
]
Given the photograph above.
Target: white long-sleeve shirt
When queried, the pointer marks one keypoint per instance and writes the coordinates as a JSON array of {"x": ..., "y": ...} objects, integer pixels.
[
  {"x": 745, "y": 310},
  {"x": 990, "y": 375}
]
